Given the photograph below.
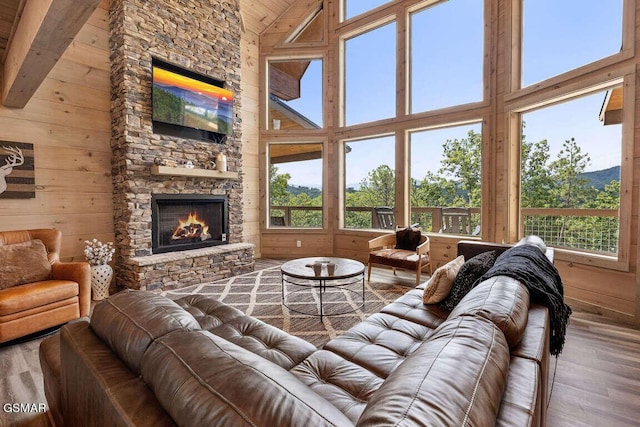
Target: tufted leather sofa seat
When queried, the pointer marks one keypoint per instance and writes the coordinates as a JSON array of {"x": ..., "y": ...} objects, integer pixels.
[
  {"x": 247, "y": 332},
  {"x": 380, "y": 343},
  {"x": 145, "y": 360},
  {"x": 434, "y": 387}
]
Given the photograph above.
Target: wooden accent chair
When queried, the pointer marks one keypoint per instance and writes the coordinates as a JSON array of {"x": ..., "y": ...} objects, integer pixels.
[
  {"x": 37, "y": 291},
  {"x": 383, "y": 251}
]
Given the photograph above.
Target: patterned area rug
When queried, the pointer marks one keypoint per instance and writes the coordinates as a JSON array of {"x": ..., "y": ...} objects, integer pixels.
[{"x": 259, "y": 294}]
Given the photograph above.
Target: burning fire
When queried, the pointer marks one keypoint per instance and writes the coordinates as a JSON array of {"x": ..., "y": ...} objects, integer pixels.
[{"x": 191, "y": 228}]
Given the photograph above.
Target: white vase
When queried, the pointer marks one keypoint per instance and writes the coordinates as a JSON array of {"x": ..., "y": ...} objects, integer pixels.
[
  {"x": 221, "y": 162},
  {"x": 100, "y": 280}
]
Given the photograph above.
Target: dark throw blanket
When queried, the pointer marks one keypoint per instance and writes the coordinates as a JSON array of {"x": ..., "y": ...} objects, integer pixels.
[{"x": 533, "y": 269}]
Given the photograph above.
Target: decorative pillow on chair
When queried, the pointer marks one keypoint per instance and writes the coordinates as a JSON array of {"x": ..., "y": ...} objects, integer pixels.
[
  {"x": 466, "y": 279},
  {"x": 408, "y": 238},
  {"x": 22, "y": 263},
  {"x": 439, "y": 284}
]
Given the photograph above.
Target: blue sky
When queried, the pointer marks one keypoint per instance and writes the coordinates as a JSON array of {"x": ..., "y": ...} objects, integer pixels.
[{"x": 557, "y": 36}]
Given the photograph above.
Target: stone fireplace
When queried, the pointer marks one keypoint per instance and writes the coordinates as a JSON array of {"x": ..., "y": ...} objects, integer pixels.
[{"x": 149, "y": 167}]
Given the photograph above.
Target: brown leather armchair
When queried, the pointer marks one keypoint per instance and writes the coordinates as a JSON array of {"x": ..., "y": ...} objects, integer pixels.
[{"x": 33, "y": 307}]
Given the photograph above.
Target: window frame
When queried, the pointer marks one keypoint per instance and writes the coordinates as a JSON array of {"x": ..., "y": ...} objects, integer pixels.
[
  {"x": 590, "y": 77},
  {"x": 342, "y": 92},
  {"x": 468, "y": 122},
  {"x": 342, "y": 194},
  {"x": 626, "y": 79},
  {"x": 267, "y": 200},
  {"x": 517, "y": 61},
  {"x": 420, "y": 7},
  {"x": 403, "y": 121},
  {"x": 514, "y": 34},
  {"x": 265, "y": 116},
  {"x": 503, "y": 99}
]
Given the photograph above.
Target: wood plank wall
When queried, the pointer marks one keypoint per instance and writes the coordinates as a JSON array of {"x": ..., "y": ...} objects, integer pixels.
[
  {"x": 250, "y": 137},
  {"x": 596, "y": 285},
  {"x": 68, "y": 121},
  {"x": 256, "y": 15}
]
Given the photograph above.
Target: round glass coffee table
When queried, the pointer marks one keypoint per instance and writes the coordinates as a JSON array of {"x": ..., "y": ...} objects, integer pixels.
[{"x": 304, "y": 284}]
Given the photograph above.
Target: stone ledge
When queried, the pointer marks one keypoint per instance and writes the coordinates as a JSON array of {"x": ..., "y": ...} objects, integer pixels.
[
  {"x": 179, "y": 269},
  {"x": 193, "y": 253}
]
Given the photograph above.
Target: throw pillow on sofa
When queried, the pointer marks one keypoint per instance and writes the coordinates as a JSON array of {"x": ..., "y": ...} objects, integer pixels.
[
  {"x": 534, "y": 241},
  {"x": 408, "y": 238},
  {"x": 467, "y": 277},
  {"x": 439, "y": 284},
  {"x": 23, "y": 263}
]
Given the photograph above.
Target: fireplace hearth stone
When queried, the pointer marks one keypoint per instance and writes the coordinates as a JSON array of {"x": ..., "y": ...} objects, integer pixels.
[{"x": 173, "y": 270}]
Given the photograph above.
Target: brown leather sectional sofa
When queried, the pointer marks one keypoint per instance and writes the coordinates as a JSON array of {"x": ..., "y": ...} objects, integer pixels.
[{"x": 144, "y": 360}]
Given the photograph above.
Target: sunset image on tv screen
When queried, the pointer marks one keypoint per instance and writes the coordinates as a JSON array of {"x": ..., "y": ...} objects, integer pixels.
[{"x": 183, "y": 101}]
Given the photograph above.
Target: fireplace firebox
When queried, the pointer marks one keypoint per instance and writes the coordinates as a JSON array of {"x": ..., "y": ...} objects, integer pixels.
[{"x": 183, "y": 222}]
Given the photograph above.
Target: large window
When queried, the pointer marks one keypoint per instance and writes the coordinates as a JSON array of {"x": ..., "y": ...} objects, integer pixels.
[
  {"x": 477, "y": 119},
  {"x": 295, "y": 185},
  {"x": 573, "y": 149},
  {"x": 446, "y": 63},
  {"x": 369, "y": 191},
  {"x": 570, "y": 172},
  {"x": 439, "y": 66},
  {"x": 295, "y": 94},
  {"x": 370, "y": 75},
  {"x": 562, "y": 35},
  {"x": 446, "y": 179}
]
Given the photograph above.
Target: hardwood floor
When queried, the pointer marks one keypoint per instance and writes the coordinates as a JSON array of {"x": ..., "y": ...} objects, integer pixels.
[
  {"x": 598, "y": 375},
  {"x": 21, "y": 383},
  {"x": 597, "y": 381}
]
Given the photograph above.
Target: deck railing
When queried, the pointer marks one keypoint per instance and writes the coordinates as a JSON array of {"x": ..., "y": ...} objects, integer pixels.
[{"x": 594, "y": 230}]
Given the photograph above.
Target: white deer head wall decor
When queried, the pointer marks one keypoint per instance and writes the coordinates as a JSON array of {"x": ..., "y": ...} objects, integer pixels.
[{"x": 15, "y": 158}]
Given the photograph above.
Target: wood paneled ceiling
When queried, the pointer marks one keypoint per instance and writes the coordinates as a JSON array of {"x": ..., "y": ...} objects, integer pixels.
[
  {"x": 8, "y": 12},
  {"x": 259, "y": 14}
]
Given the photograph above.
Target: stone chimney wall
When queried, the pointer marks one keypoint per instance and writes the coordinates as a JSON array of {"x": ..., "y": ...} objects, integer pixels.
[{"x": 201, "y": 36}]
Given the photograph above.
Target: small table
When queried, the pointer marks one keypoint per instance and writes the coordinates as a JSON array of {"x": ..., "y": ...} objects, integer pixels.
[{"x": 300, "y": 274}]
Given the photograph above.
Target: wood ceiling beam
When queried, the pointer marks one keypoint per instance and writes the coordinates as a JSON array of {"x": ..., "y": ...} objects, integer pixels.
[{"x": 45, "y": 30}]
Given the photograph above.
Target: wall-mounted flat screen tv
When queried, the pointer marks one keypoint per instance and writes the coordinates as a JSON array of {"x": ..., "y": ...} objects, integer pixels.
[{"x": 189, "y": 104}]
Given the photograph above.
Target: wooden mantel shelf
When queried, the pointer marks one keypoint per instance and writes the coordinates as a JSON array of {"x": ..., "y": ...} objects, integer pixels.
[{"x": 198, "y": 173}]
